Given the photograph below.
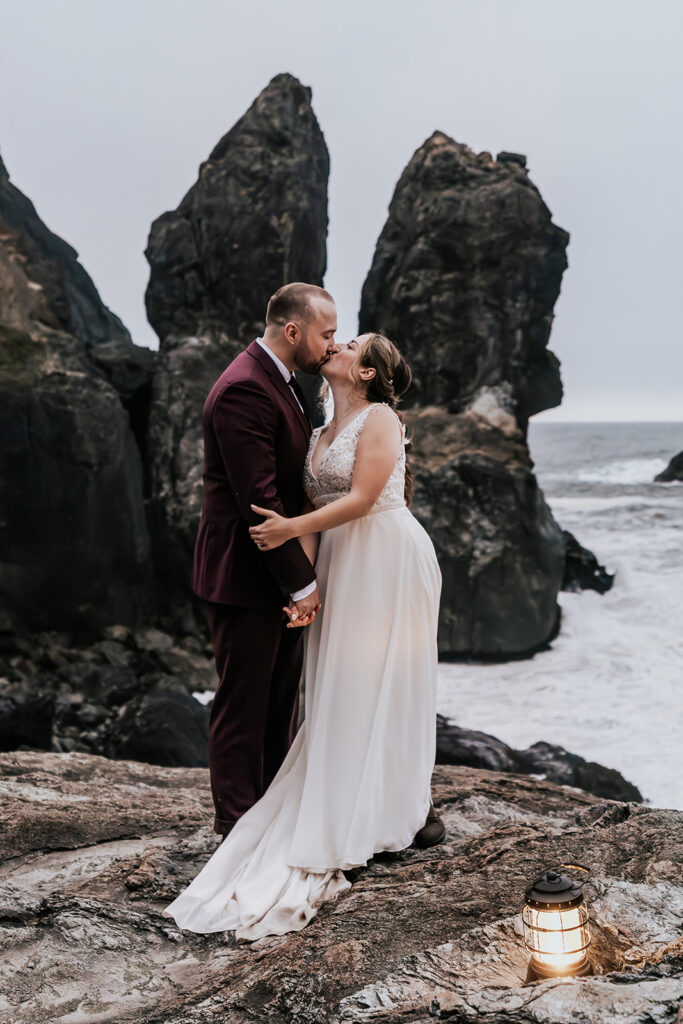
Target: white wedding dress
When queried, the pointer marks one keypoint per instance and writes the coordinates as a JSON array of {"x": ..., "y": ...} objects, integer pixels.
[{"x": 356, "y": 780}]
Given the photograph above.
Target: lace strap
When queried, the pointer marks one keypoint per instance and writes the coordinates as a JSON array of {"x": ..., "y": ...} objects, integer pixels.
[{"x": 359, "y": 422}]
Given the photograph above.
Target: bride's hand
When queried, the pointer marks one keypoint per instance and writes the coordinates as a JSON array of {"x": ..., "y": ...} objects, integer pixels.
[{"x": 271, "y": 534}]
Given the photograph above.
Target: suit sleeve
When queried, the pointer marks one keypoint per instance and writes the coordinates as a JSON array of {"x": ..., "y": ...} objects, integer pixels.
[{"x": 245, "y": 421}]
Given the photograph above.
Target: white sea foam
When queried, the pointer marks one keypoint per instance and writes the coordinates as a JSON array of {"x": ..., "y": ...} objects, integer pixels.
[
  {"x": 624, "y": 471},
  {"x": 610, "y": 687}
]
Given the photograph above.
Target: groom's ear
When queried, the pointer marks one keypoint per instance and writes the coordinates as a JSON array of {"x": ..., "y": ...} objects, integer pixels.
[{"x": 292, "y": 332}]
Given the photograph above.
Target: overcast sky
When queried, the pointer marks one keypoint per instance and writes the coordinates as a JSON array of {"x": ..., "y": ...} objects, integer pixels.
[{"x": 108, "y": 107}]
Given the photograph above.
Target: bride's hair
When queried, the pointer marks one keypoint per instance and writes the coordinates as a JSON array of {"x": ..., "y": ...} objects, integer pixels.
[{"x": 392, "y": 379}]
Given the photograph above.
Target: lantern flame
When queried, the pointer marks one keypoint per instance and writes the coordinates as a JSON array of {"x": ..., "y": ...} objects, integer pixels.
[{"x": 557, "y": 939}]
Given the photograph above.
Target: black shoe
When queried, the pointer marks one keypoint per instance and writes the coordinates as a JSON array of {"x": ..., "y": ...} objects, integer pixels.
[{"x": 432, "y": 832}]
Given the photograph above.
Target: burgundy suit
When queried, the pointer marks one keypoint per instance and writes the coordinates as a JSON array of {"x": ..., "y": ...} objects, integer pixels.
[{"x": 255, "y": 443}]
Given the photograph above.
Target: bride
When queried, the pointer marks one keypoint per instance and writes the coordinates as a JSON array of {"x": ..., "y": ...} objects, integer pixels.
[{"x": 356, "y": 780}]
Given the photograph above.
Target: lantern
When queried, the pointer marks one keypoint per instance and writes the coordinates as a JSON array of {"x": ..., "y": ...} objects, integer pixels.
[{"x": 556, "y": 931}]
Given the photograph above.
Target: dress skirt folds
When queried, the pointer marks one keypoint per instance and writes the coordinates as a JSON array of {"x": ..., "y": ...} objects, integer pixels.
[{"x": 356, "y": 780}]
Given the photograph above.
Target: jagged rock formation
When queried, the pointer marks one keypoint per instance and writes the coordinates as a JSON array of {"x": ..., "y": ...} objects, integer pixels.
[
  {"x": 673, "y": 472},
  {"x": 466, "y": 272},
  {"x": 255, "y": 219},
  {"x": 464, "y": 278},
  {"x": 74, "y": 551},
  {"x": 481, "y": 750},
  {"x": 93, "y": 850},
  {"x": 128, "y": 695},
  {"x": 582, "y": 571}
]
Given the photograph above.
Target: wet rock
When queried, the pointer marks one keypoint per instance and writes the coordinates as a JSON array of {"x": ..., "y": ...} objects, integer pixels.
[
  {"x": 255, "y": 219},
  {"x": 74, "y": 548},
  {"x": 582, "y": 571},
  {"x": 455, "y": 745},
  {"x": 113, "y": 698},
  {"x": 165, "y": 726},
  {"x": 96, "y": 849},
  {"x": 500, "y": 550},
  {"x": 153, "y": 640},
  {"x": 673, "y": 472},
  {"x": 472, "y": 748},
  {"x": 26, "y": 714}
]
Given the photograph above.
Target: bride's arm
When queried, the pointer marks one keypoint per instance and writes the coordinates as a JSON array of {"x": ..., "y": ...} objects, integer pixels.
[
  {"x": 378, "y": 449},
  {"x": 309, "y": 541}
]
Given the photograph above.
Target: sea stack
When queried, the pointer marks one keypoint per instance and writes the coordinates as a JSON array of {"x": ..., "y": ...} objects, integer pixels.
[
  {"x": 464, "y": 278},
  {"x": 255, "y": 219}
]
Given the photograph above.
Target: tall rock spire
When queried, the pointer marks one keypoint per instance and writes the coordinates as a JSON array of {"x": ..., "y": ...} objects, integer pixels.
[
  {"x": 464, "y": 278},
  {"x": 255, "y": 219}
]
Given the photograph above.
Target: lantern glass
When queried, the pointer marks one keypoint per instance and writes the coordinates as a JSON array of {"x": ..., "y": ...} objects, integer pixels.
[{"x": 557, "y": 938}]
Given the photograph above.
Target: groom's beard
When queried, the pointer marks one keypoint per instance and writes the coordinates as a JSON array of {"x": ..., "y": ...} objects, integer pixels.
[{"x": 305, "y": 360}]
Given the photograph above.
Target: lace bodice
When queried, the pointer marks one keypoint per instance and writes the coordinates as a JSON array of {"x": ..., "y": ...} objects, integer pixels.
[{"x": 336, "y": 468}]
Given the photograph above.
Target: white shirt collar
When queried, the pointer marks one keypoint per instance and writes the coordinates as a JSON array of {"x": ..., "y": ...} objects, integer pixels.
[{"x": 278, "y": 362}]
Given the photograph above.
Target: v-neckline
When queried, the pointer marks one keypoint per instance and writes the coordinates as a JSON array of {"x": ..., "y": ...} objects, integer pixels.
[{"x": 329, "y": 447}]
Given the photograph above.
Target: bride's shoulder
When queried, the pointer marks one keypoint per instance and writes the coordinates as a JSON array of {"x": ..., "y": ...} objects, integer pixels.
[{"x": 380, "y": 419}]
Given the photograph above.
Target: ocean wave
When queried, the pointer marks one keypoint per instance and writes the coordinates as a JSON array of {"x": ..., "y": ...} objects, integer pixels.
[
  {"x": 594, "y": 503},
  {"x": 621, "y": 471}
]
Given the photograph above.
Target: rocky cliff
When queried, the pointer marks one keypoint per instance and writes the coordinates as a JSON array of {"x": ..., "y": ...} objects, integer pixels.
[
  {"x": 673, "y": 472},
  {"x": 93, "y": 850},
  {"x": 255, "y": 219},
  {"x": 74, "y": 548},
  {"x": 464, "y": 278}
]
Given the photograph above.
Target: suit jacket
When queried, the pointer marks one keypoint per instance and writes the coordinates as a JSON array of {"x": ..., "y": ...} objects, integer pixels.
[{"x": 255, "y": 444}]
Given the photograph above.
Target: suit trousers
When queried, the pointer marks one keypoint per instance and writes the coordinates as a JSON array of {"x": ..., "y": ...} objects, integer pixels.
[{"x": 254, "y": 715}]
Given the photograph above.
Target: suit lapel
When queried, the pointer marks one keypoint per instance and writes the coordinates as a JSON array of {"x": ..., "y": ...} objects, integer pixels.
[{"x": 264, "y": 360}]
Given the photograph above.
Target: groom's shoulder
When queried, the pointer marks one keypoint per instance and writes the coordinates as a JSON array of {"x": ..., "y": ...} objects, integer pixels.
[
  {"x": 244, "y": 373},
  {"x": 244, "y": 369}
]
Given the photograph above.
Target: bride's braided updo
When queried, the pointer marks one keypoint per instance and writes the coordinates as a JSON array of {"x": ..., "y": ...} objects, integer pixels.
[{"x": 392, "y": 379}]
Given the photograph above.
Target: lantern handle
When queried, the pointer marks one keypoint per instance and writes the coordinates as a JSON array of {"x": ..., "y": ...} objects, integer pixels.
[{"x": 577, "y": 867}]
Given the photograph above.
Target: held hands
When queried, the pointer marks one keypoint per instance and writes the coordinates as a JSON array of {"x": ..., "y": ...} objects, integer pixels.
[
  {"x": 272, "y": 533},
  {"x": 302, "y": 613}
]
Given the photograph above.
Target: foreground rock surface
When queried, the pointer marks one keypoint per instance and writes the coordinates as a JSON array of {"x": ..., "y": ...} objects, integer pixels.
[
  {"x": 255, "y": 219},
  {"x": 93, "y": 850}
]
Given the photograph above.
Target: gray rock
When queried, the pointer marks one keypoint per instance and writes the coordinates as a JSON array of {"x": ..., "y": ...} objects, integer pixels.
[
  {"x": 455, "y": 745},
  {"x": 74, "y": 548},
  {"x": 464, "y": 278},
  {"x": 673, "y": 472},
  {"x": 163, "y": 727},
  {"x": 255, "y": 219},
  {"x": 500, "y": 550},
  {"x": 112, "y": 698},
  {"x": 93, "y": 850},
  {"x": 582, "y": 571}
]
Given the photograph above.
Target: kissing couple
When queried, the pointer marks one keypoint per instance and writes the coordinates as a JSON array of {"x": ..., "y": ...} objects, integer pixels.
[{"x": 311, "y": 568}]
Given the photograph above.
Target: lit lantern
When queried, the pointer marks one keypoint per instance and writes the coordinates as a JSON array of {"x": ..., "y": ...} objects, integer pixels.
[{"x": 556, "y": 931}]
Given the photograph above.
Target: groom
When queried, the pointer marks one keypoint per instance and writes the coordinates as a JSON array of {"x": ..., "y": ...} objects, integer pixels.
[{"x": 256, "y": 435}]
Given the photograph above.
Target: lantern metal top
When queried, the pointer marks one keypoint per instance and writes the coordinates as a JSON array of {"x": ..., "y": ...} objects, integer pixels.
[{"x": 553, "y": 889}]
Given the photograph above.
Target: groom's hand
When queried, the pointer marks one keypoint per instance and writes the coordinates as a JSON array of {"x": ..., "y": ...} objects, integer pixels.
[{"x": 303, "y": 612}]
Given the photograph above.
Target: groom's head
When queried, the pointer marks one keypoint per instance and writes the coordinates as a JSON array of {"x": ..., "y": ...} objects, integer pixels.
[{"x": 301, "y": 321}]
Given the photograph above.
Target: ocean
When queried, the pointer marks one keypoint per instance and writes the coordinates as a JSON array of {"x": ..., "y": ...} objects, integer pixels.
[{"x": 610, "y": 688}]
